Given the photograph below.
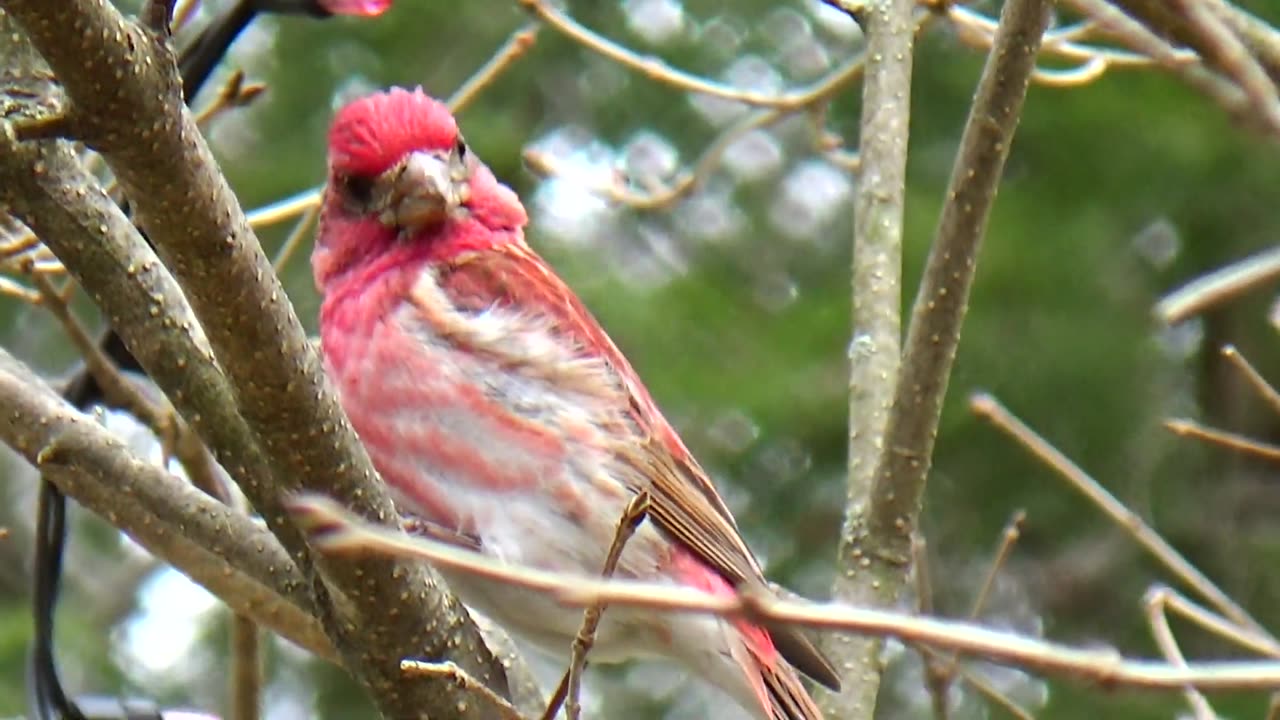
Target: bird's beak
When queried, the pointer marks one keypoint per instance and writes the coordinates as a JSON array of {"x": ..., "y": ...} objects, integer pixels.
[{"x": 423, "y": 193}]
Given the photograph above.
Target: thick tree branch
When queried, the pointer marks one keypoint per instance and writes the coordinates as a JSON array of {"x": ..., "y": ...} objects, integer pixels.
[
  {"x": 126, "y": 102},
  {"x": 877, "y": 539},
  {"x": 46, "y": 186},
  {"x": 939, "y": 308},
  {"x": 225, "y": 551}
]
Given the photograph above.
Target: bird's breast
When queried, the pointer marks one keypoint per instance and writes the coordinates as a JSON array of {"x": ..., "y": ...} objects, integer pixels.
[{"x": 467, "y": 438}]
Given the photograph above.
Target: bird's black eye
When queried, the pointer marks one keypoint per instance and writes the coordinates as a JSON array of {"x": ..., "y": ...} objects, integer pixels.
[
  {"x": 358, "y": 190},
  {"x": 460, "y": 149}
]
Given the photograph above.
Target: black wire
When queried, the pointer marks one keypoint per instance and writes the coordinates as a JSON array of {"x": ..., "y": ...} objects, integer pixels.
[
  {"x": 47, "y": 699},
  {"x": 203, "y": 55}
]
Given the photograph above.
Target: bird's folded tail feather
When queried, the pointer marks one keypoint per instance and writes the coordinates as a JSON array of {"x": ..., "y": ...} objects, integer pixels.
[{"x": 784, "y": 695}]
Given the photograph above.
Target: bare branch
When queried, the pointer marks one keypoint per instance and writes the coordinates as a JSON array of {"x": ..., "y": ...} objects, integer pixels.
[
  {"x": 891, "y": 442},
  {"x": 1214, "y": 623},
  {"x": 659, "y": 71},
  {"x": 989, "y": 409},
  {"x": 513, "y": 49},
  {"x": 1158, "y": 622},
  {"x": 377, "y": 610},
  {"x": 571, "y": 684},
  {"x": 1163, "y": 17},
  {"x": 984, "y": 688},
  {"x": 298, "y": 235},
  {"x": 874, "y": 349},
  {"x": 1008, "y": 538},
  {"x": 339, "y": 531},
  {"x": 246, "y": 669},
  {"x": 1234, "y": 59},
  {"x": 1220, "y": 286},
  {"x": 1183, "y": 427},
  {"x": 230, "y": 555},
  {"x": 1265, "y": 390},
  {"x": 1143, "y": 39}
]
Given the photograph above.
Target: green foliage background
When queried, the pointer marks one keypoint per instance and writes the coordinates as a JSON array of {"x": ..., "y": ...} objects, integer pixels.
[{"x": 1060, "y": 326}]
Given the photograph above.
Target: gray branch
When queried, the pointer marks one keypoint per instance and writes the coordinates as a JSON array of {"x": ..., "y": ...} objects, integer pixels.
[
  {"x": 874, "y": 350},
  {"x": 229, "y": 554},
  {"x": 260, "y": 402},
  {"x": 876, "y": 543}
]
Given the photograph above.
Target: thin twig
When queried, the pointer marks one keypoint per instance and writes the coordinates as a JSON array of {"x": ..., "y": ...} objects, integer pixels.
[
  {"x": 1126, "y": 29},
  {"x": 513, "y": 49},
  {"x": 1265, "y": 389},
  {"x": 450, "y": 670},
  {"x": 659, "y": 71},
  {"x": 177, "y": 438},
  {"x": 1261, "y": 38},
  {"x": 988, "y": 408},
  {"x": 334, "y": 529},
  {"x": 234, "y": 93},
  {"x": 246, "y": 664},
  {"x": 1235, "y": 60},
  {"x": 1220, "y": 286},
  {"x": 663, "y": 194},
  {"x": 115, "y": 387},
  {"x": 297, "y": 235},
  {"x": 1168, "y": 645},
  {"x": 229, "y": 554},
  {"x": 937, "y": 681},
  {"x": 1213, "y": 623},
  {"x": 18, "y": 291},
  {"x": 1008, "y": 538},
  {"x": 659, "y": 195},
  {"x": 947, "y": 668},
  {"x": 183, "y": 12},
  {"x": 978, "y": 30},
  {"x": 1187, "y": 428},
  {"x": 976, "y": 681},
  {"x": 571, "y": 684}
]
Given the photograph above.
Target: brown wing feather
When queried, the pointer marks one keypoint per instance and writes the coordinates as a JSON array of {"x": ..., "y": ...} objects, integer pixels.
[{"x": 683, "y": 501}]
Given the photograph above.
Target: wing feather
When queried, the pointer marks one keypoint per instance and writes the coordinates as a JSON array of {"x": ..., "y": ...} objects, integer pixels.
[{"x": 683, "y": 501}]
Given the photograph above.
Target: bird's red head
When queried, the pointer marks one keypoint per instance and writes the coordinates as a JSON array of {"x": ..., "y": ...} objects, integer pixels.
[{"x": 400, "y": 176}]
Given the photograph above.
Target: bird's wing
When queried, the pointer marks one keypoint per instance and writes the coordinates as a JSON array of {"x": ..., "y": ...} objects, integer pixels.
[{"x": 682, "y": 500}]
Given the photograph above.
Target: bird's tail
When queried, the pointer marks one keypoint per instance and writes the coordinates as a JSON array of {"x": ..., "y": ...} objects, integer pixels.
[{"x": 777, "y": 685}]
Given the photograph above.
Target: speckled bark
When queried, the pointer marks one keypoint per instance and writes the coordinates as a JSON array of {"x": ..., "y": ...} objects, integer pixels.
[
  {"x": 885, "y": 503},
  {"x": 875, "y": 348},
  {"x": 125, "y": 101},
  {"x": 225, "y": 551}
]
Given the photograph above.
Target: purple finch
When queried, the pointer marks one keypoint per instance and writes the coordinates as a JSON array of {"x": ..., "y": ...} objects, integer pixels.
[{"x": 501, "y": 414}]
